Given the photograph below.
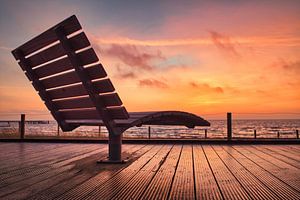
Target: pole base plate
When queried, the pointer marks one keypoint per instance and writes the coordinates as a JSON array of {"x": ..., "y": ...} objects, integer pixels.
[{"x": 107, "y": 161}]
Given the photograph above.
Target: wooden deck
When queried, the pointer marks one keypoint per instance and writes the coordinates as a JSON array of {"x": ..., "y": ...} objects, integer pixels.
[{"x": 180, "y": 171}]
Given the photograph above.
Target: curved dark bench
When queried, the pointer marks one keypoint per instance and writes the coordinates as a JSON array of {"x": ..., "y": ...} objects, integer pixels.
[{"x": 65, "y": 70}]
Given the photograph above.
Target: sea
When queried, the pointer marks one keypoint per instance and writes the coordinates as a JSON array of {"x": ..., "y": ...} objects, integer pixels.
[{"x": 266, "y": 128}]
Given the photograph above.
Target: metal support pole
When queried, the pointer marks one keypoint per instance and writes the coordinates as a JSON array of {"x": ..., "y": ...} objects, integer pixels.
[
  {"x": 297, "y": 134},
  {"x": 115, "y": 147},
  {"x": 22, "y": 126},
  {"x": 229, "y": 126},
  {"x": 278, "y": 135},
  {"x": 205, "y": 133},
  {"x": 99, "y": 131},
  {"x": 149, "y": 132},
  {"x": 254, "y": 133}
]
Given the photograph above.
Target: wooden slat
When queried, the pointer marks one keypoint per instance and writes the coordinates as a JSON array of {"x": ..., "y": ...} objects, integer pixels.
[
  {"x": 94, "y": 72},
  {"x": 118, "y": 113},
  {"x": 87, "y": 57},
  {"x": 45, "y": 56},
  {"x": 71, "y": 91},
  {"x": 58, "y": 67},
  {"x": 77, "y": 42},
  {"x": 115, "y": 113},
  {"x": 80, "y": 114},
  {"x": 61, "y": 80},
  {"x": 102, "y": 86},
  {"x": 70, "y": 25},
  {"x": 83, "y": 102},
  {"x": 112, "y": 99},
  {"x": 54, "y": 68}
]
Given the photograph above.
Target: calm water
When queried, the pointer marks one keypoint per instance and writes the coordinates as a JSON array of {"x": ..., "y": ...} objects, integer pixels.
[{"x": 241, "y": 128}]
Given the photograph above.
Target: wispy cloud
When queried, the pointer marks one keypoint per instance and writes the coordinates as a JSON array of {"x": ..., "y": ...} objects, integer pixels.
[
  {"x": 132, "y": 56},
  {"x": 254, "y": 41},
  {"x": 224, "y": 43},
  {"x": 290, "y": 66},
  {"x": 205, "y": 87},
  {"x": 125, "y": 73},
  {"x": 5, "y": 48},
  {"x": 153, "y": 83}
]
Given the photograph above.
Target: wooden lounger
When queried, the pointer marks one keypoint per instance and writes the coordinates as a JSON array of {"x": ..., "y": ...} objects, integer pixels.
[{"x": 65, "y": 70}]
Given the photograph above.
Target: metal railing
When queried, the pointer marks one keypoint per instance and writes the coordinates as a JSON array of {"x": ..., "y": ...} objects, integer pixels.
[{"x": 46, "y": 129}]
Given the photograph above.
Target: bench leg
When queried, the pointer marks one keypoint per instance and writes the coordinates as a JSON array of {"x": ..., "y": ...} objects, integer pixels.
[
  {"x": 115, "y": 147},
  {"x": 114, "y": 150}
]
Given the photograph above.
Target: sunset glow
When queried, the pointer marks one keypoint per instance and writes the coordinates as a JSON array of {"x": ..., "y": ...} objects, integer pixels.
[{"x": 205, "y": 58}]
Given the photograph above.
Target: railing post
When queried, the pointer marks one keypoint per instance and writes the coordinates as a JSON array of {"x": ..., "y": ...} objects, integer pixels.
[
  {"x": 229, "y": 126},
  {"x": 149, "y": 132},
  {"x": 278, "y": 135},
  {"x": 22, "y": 126},
  {"x": 205, "y": 133},
  {"x": 99, "y": 131},
  {"x": 255, "y": 133},
  {"x": 297, "y": 134}
]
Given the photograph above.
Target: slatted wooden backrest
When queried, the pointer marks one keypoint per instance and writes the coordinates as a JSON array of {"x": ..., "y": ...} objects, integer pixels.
[{"x": 66, "y": 72}]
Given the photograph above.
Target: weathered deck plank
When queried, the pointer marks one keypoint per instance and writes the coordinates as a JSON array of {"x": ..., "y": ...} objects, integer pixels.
[
  {"x": 287, "y": 158},
  {"x": 278, "y": 187},
  {"x": 140, "y": 181},
  {"x": 283, "y": 171},
  {"x": 24, "y": 169},
  {"x": 79, "y": 178},
  {"x": 162, "y": 171},
  {"x": 250, "y": 183},
  {"x": 183, "y": 183},
  {"x": 206, "y": 185},
  {"x": 29, "y": 159},
  {"x": 83, "y": 189},
  {"x": 287, "y": 151},
  {"x": 161, "y": 184},
  {"x": 229, "y": 185},
  {"x": 115, "y": 183}
]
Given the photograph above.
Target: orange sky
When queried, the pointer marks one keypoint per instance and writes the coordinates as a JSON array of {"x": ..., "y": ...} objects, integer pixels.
[{"x": 203, "y": 58}]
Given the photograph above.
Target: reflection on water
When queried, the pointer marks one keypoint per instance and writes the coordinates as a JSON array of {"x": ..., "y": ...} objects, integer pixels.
[{"x": 241, "y": 128}]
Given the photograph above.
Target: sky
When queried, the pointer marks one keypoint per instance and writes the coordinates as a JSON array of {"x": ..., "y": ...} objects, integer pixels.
[{"x": 204, "y": 57}]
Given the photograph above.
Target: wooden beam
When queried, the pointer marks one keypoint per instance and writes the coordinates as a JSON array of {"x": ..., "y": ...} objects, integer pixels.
[{"x": 86, "y": 82}]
